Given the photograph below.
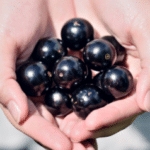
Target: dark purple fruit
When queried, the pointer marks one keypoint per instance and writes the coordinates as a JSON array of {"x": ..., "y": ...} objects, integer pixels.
[
  {"x": 87, "y": 80},
  {"x": 58, "y": 102},
  {"x": 49, "y": 50},
  {"x": 99, "y": 54},
  {"x": 69, "y": 72},
  {"x": 97, "y": 80},
  {"x": 87, "y": 98},
  {"x": 117, "y": 82},
  {"x": 76, "y": 33},
  {"x": 34, "y": 78},
  {"x": 121, "y": 53}
]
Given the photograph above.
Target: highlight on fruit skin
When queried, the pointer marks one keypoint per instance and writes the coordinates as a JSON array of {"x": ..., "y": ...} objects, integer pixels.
[
  {"x": 118, "y": 82},
  {"x": 99, "y": 54},
  {"x": 34, "y": 78},
  {"x": 69, "y": 72},
  {"x": 121, "y": 52},
  {"x": 76, "y": 33},
  {"x": 66, "y": 81},
  {"x": 87, "y": 98},
  {"x": 58, "y": 102},
  {"x": 49, "y": 50}
]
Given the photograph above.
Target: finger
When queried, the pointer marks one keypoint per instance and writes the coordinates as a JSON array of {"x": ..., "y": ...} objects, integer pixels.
[
  {"x": 68, "y": 128},
  {"x": 11, "y": 95},
  {"x": 113, "y": 112},
  {"x": 141, "y": 34},
  {"x": 41, "y": 130},
  {"x": 46, "y": 114},
  {"x": 80, "y": 133},
  {"x": 68, "y": 123}
]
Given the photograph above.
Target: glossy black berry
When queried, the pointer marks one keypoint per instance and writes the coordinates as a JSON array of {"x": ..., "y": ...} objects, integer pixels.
[
  {"x": 85, "y": 99},
  {"x": 118, "y": 82},
  {"x": 34, "y": 78},
  {"x": 88, "y": 79},
  {"x": 58, "y": 102},
  {"x": 98, "y": 81},
  {"x": 99, "y": 54},
  {"x": 49, "y": 50},
  {"x": 121, "y": 53},
  {"x": 76, "y": 33},
  {"x": 69, "y": 72}
]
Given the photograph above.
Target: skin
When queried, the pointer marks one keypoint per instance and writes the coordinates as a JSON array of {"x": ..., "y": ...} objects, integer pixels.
[
  {"x": 130, "y": 25},
  {"x": 23, "y": 23}
]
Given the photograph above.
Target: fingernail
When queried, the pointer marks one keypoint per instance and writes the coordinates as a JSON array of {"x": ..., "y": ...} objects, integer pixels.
[
  {"x": 14, "y": 110},
  {"x": 147, "y": 101}
]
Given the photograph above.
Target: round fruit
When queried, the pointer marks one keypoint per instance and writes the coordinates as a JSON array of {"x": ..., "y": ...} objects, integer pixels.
[
  {"x": 34, "y": 78},
  {"x": 119, "y": 49},
  {"x": 49, "y": 50},
  {"x": 99, "y": 54},
  {"x": 97, "y": 80},
  {"x": 87, "y": 80},
  {"x": 76, "y": 33},
  {"x": 87, "y": 98},
  {"x": 69, "y": 72},
  {"x": 117, "y": 82},
  {"x": 58, "y": 102}
]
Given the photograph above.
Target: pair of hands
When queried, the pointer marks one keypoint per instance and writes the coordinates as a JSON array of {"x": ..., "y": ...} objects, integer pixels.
[{"x": 23, "y": 23}]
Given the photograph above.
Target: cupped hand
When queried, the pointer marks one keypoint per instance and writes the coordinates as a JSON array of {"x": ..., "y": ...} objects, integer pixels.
[
  {"x": 23, "y": 23},
  {"x": 129, "y": 23}
]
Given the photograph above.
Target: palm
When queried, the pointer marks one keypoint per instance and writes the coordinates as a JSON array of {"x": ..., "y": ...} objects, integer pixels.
[
  {"x": 46, "y": 18},
  {"x": 23, "y": 23},
  {"x": 26, "y": 23},
  {"x": 119, "y": 114}
]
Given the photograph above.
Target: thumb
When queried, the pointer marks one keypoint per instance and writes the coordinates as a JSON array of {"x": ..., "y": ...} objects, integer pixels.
[
  {"x": 141, "y": 39},
  {"x": 11, "y": 95}
]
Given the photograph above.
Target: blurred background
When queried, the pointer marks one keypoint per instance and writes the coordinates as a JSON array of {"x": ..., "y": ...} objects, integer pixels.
[{"x": 135, "y": 137}]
